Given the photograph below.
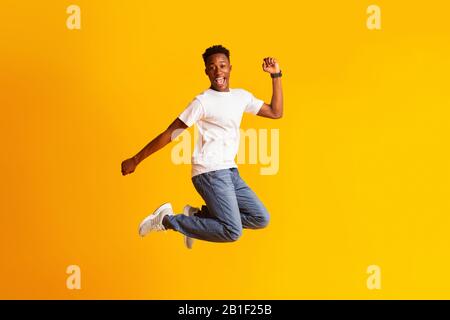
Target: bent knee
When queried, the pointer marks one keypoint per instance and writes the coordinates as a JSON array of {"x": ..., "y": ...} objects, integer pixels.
[
  {"x": 261, "y": 220},
  {"x": 265, "y": 221},
  {"x": 233, "y": 235}
]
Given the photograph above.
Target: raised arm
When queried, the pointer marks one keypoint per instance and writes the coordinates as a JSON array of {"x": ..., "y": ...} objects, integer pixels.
[
  {"x": 129, "y": 165},
  {"x": 274, "y": 110}
]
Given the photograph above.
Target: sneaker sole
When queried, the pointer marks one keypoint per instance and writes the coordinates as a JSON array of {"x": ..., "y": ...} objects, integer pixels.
[{"x": 164, "y": 206}]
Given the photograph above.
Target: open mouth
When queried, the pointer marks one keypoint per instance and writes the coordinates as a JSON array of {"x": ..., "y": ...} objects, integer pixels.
[{"x": 220, "y": 81}]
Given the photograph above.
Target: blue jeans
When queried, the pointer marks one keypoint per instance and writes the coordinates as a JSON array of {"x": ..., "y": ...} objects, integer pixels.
[{"x": 230, "y": 206}]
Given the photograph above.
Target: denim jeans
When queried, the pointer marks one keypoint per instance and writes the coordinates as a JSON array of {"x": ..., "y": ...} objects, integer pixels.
[{"x": 230, "y": 206}]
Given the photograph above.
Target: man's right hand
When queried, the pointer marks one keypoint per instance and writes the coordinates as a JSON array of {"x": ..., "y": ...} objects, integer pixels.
[{"x": 128, "y": 166}]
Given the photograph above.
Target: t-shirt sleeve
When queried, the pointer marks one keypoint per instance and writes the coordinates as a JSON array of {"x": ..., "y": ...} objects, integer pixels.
[
  {"x": 253, "y": 104},
  {"x": 193, "y": 112}
]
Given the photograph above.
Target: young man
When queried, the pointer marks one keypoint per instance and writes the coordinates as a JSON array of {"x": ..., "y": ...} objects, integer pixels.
[{"x": 230, "y": 204}]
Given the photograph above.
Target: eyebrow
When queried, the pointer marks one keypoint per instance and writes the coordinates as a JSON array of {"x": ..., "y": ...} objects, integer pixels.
[{"x": 219, "y": 62}]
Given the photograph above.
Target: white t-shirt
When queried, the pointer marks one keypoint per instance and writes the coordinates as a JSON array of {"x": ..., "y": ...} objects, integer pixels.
[{"x": 218, "y": 117}]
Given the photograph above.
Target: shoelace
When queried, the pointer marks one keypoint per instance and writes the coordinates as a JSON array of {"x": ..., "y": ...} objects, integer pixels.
[{"x": 157, "y": 225}]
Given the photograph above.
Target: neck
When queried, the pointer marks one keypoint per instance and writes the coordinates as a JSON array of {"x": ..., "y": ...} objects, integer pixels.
[{"x": 226, "y": 90}]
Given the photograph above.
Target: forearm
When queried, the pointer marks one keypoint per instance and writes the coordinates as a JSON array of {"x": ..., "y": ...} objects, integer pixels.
[
  {"x": 159, "y": 142},
  {"x": 277, "y": 97}
]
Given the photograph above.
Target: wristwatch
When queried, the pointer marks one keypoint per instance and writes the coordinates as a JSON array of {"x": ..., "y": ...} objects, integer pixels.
[{"x": 276, "y": 75}]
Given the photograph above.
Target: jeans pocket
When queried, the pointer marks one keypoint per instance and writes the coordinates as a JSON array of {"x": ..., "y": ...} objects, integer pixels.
[{"x": 221, "y": 179}]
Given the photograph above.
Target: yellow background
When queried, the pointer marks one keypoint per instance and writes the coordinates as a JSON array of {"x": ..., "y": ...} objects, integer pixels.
[{"x": 364, "y": 159}]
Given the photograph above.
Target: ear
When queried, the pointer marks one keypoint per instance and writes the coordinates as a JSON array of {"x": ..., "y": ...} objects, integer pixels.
[
  {"x": 231, "y": 67},
  {"x": 206, "y": 72}
]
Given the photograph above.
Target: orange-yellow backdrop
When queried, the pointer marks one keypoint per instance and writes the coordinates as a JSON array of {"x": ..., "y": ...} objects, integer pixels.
[{"x": 364, "y": 159}]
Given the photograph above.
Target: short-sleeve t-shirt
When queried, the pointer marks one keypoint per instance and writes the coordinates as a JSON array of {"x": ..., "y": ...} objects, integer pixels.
[{"x": 218, "y": 116}]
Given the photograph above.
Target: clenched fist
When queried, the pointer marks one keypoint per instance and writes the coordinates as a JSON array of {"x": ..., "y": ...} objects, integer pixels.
[
  {"x": 270, "y": 65},
  {"x": 128, "y": 166}
]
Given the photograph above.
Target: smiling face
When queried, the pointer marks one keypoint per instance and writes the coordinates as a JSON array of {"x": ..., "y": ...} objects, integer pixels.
[{"x": 218, "y": 69}]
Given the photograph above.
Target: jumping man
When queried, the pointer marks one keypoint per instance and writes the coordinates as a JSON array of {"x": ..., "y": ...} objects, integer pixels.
[{"x": 230, "y": 205}]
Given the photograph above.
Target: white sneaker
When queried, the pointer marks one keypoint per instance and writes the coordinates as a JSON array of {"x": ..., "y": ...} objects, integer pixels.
[
  {"x": 189, "y": 211},
  {"x": 154, "y": 221}
]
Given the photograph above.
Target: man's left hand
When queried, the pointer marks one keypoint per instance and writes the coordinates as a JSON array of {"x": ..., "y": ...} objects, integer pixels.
[{"x": 270, "y": 65}]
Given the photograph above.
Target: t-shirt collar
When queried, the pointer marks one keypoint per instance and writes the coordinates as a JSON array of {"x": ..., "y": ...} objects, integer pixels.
[{"x": 219, "y": 93}]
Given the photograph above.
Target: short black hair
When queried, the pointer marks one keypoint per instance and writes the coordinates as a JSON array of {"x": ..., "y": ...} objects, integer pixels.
[{"x": 215, "y": 49}]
